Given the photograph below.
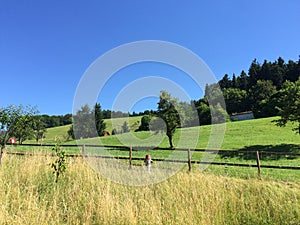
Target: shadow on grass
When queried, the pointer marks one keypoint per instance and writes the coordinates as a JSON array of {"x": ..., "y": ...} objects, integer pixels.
[{"x": 265, "y": 152}]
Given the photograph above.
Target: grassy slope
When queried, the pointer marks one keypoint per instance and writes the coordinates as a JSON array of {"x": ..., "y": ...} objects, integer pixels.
[
  {"x": 30, "y": 196},
  {"x": 62, "y": 131},
  {"x": 252, "y": 135},
  {"x": 249, "y": 135}
]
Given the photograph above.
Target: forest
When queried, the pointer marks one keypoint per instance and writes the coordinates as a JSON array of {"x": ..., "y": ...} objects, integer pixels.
[{"x": 259, "y": 90}]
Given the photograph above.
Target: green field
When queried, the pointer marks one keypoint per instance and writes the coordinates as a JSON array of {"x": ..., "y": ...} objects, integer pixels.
[
  {"x": 217, "y": 195},
  {"x": 251, "y": 135},
  {"x": 62, "y": 131},
  {"x": 255, "y": 134}
]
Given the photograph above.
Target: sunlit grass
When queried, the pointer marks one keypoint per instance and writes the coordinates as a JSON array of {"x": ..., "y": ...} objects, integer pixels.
[{"x": 29, "y": 195}]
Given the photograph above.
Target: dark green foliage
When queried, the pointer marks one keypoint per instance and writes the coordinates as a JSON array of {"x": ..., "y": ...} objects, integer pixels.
[
  {"x": 24, "y": 128},
  {"x": 204, "y": 113},
  {"x": 39, "y": 128},
  {"x": 59, "y": 166},
  {"x": 292, "y": 71},
  {"x": 236, "y": 100},
  {"x": 145, "y": 123},
  {"x": 16, "y": 121},
  {"x": 260, "y": 95},
  {"x": 218, "y": 114},
  {"x": 54, "y": 121},
  {"x": 87, "y": 123},
  {"x": 107, "y": 114},
  {"x": 125, "y": 127},
  {"x": 157, "y": 125},
  {"x": 290, "y": 104},
  {"x": 114, "y": 131},
  {"x": 242, "y": 81},
  {"x": 84, "y": 124},
  {"x": 254, "y": 72},
  {"x": 100, "y": 125},
  {"x": 257, "y": 90},
  {"x": 225, "y": 82},
  {"x": 167, "y": 110}
]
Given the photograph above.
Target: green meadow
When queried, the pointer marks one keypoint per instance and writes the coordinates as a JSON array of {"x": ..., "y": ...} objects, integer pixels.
[
  {"x": 253, "y": 135},
  {"x": 217, "y": 195},
  {"x": 258, "y": 134}
]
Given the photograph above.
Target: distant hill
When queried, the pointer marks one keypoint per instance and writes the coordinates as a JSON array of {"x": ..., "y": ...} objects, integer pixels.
[{"x": 62, "y": 131}]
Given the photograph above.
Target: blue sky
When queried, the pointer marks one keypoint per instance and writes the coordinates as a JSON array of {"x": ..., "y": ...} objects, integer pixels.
[{"x": 46, "y": 46}]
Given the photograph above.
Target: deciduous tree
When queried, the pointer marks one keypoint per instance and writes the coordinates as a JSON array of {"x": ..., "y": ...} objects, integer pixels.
[
  {"x": 290, "y": 107},
  {"x": 13, "y": 123},
  {"x": 168, "y": 111}
]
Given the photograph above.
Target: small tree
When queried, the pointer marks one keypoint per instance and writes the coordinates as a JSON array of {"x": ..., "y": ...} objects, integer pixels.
[
  {"x": 114, "y": 131},
  {"x": 60, "y": 164},
  {"x": 13, "y": 123},
  {"x": 100, "y": 125},
  {"x": 204, "y": 113},
  {"x": 39, "y": 128},
  {"x": 83, "y": 124},
  {"x": 290, "y": 104},
  {"x": 167, "y": 110},
  {"x": 87, "y": 123},
  {"x": 125, "y": 127},
  {"x": 145, "y": 123}
]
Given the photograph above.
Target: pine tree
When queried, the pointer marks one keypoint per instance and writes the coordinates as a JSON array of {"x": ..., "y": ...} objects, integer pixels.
[{"x": 100, "y": 125}]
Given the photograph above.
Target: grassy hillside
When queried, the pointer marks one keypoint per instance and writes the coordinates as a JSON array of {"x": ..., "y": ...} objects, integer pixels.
[
  {"x": 62, "y": 131},
  {"x": 133, "y": 122},
  {"x": 215, "y": 196},
  {"x": 30, "y": 196},
  {"x": 248, "y": 135}
]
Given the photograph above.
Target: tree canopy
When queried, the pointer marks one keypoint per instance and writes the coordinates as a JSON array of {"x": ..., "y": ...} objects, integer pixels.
[
  {"x": 16, "y": 121},
  {"x": 168, "y": 111},
  {"x": 88, "y": 123},
  {"x": 290, "y": 107}
]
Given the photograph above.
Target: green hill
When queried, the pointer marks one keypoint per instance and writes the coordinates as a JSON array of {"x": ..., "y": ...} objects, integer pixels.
[
  {"x": 62, "y": 131},
  {"x": 251, "y": 135},
  {"x": 238, "y": 135}
]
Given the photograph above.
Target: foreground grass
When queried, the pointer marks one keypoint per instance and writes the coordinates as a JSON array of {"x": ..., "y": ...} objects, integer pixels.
[{"x": 30, "y": 196}]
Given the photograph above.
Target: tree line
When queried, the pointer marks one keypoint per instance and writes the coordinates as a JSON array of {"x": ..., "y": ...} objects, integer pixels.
[
  {"x": 56, "y": 120},
  {"x": 259, "y": 90},
  {"x": 270, "y": 89}
]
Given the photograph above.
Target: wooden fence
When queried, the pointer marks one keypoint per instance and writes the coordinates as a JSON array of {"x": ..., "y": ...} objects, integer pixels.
[{"x": 188, "y": 161}]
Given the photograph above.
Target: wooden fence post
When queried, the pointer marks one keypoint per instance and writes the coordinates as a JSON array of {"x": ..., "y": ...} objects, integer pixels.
[
  {"x": 130, "y": 157},
  {"x": 189, "y": 160},
  {"x": 258, "y": 164},
  {"x": 83, "y": 150}
]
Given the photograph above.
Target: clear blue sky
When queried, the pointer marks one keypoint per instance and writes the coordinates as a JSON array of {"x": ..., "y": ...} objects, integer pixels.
[{"x": 46, "y": 46}]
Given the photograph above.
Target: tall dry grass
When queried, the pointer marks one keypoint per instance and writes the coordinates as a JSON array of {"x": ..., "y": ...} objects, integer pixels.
[{"x": 29, "y": 195}]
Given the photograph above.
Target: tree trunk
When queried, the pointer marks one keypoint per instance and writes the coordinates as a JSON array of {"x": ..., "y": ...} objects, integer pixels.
[
  {"x": 170, "y": 141},
  {"x": 299, "y": 128}
]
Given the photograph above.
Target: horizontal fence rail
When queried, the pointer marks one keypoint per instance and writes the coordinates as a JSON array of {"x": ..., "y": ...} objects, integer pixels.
[
  {"x": 131, "y": 149},
  {"x": 143, "y": 148}
]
